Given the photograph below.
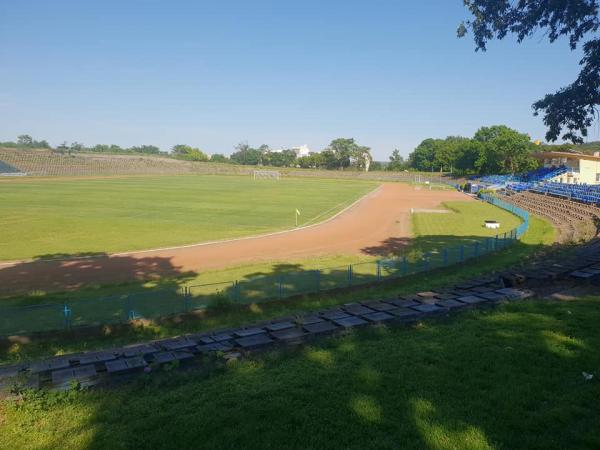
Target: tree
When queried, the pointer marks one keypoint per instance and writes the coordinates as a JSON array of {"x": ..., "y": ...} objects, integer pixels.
[
  {"x": 312, "y": 161},
  {"x": 361, "y": 158},
  {"x": 344, "y": 152},
  {"x": 572, "y": 109},
  {"x": 219, "y": 158},
  {"x": 42, "y": 144},
  {"x": 423, "y": 157},
  {"x": 77, "y": 146},
  {"x": 467, "y": 156},
  {"x": 397, "y": 162},
  {"x": 504, "y": 150},
  {"x": 24, "y": 140},
  {"x": 284, "y": 158},
  {"x": 188, "y": 153},
  {"x": 377, "y": 165},
  {"x": 146, "y": 149},
  {"x": 329, "y": 160},
  {"x": 248, "y": 156}
]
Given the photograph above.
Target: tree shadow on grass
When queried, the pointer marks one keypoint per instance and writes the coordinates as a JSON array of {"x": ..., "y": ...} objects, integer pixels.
[
  {"x": 53, "y": 302},
  {"x": 459, "y": 383},
  {"x": 399, "y": 246},
  {"x": 61, "y": 272}
]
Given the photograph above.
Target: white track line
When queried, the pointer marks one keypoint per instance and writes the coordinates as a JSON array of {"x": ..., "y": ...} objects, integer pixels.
[{"x": 201, "y": 244}]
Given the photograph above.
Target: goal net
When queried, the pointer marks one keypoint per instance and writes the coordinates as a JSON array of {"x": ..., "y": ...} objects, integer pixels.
[{"x": 266, "y": 175}]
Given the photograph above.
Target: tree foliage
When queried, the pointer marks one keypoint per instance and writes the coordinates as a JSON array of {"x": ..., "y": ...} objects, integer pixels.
[
  {"x": 284, "y": 158},
  {"x": 188, "y": 153},
  {"x": 25, "y": 141},
  {"x": 572, "y": 109},
  {"x": 397, "y": 162},
  {"x": 247, "y": 155},
  {"x": 496, "y": 149},
  {"x": 219, "y": 158},
  {"x": 342, "y": 153}
]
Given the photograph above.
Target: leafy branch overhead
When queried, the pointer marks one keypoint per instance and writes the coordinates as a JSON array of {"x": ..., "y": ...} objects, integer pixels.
[{"x": 572, "y": 109}]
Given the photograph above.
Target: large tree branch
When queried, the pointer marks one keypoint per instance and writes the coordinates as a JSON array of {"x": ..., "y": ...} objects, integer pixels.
[
  {"x": 494, "y": 19},
  {"x": 575, "y": 107}
]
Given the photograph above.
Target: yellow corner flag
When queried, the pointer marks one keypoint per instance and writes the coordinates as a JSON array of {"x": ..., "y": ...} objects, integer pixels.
[
  {"x": 297, "y": 212},
  {"x": 296, "y": 216}
]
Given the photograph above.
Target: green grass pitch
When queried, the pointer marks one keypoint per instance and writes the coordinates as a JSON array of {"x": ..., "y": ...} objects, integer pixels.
[{"x": 69, "y": 216}]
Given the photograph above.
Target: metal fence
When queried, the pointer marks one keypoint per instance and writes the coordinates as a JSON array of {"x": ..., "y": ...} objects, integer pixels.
[{"x": 164, "y": 302}]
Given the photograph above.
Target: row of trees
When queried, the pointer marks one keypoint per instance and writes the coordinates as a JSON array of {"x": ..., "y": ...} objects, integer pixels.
[
  {"x": 25, "y": 141},
  {"x": 340, "y": 154},
  {"x": 492, "y": 150},
  {"x": 495, "y": 149}
]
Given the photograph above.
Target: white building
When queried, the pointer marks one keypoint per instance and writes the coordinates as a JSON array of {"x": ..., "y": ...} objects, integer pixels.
[
  {"x": 301, "y": 150},
  {"x": 580, "y": 168}
]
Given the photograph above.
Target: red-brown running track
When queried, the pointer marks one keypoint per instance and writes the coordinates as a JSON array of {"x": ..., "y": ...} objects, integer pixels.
[{"x": 379, "y": 218}]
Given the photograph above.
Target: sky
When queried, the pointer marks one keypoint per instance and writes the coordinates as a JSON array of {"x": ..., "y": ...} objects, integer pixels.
[{"x": 212, "y": 74}]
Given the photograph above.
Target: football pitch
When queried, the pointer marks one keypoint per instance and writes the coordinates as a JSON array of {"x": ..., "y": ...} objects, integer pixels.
[{"x": 55, "y": 217}]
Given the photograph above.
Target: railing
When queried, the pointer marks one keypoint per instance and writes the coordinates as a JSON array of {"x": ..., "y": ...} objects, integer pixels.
[{"x": 166, "y": 302}]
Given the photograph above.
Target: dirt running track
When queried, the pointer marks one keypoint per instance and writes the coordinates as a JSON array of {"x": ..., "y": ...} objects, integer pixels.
[{"x": 376, "y": 224}]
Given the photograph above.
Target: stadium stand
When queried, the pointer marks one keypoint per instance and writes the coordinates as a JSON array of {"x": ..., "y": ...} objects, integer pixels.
[
  {"x": 498, "y": 179},
  {"x": 523, "y": 182},
  {"x": 520, "y": 186},
  {"x": 7, "y": 169},
  {"x": 575, "y": 221},
  {"x": 544, "y": 174},
  {"x": 580, "y": 192}
]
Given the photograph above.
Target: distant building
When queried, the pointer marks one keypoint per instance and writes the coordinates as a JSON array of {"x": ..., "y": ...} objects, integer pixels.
[
  {"x": 300, "y": 151},
  {"x": 581, "y": 169}
]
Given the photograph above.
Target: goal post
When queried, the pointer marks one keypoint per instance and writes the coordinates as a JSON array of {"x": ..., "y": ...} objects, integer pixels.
[{"x": 266, "y": 175}]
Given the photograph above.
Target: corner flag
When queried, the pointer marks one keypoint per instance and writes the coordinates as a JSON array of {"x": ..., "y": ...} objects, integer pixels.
[
  {"x": 297, "y": 212},
  {"x": 296, "y": 216}
]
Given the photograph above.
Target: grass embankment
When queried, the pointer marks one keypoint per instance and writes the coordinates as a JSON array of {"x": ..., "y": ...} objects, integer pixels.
[
  {"x": 539, "y": 237},
  {"x": 53, "y": 217},
  {"x": 509, "y": 377}
]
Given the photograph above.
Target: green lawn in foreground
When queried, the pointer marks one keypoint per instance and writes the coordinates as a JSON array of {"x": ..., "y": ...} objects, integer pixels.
[
  {"x": 509, "y": 377},
  {"x": 69, "y": 216}
]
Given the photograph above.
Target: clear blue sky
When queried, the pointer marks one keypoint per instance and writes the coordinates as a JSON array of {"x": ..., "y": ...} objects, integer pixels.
[{"x": 214, "y": 73}]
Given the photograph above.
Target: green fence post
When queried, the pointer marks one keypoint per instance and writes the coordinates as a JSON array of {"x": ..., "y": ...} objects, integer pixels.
[
  {"x": 67, "y": 316},
  {"x": 350, "y": 275},
  {"x": 445, "y": 257},
  {"x": 236, "y": 291},
  {"x": 504, "y": 240},
  {"x": 476, "y": 249},
  {"x": 130, "y": 313},
  {"x": 185, "y": 298},
  {"x": 318, "y": 279},
  {"x": 404, "y": 266},
  {"x": 378, "y": 270},
  {"x": 280, "y": 287}
]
